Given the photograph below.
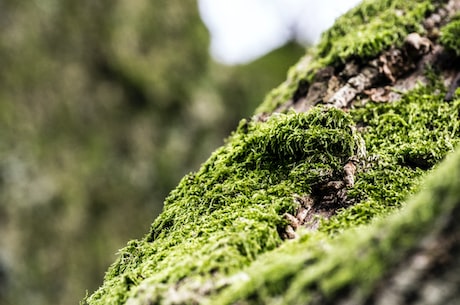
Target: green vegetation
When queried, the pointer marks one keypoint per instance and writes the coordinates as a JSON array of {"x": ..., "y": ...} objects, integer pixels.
[
  {"x": 325, "y": 270},
  {"x": 218, "y": 238},
  {"x": 403, "y": 139},
  {"x": 221, "y": 218},
  {"x": 370, "y": 28},
  {"x": 226, "y": 215},
  {"x": 362, "y": 33}
]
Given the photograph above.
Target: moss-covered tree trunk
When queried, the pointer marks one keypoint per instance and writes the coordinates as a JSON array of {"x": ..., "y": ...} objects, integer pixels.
[
  {"x": 95, "y": 99},
  {"x": 342, "y": 189}
]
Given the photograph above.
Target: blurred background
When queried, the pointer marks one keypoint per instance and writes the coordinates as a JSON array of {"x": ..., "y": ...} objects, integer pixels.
[{"x": 105, "y": 105}]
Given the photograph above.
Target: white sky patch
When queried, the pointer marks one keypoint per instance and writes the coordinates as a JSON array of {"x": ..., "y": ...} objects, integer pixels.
[{"x": 243, "y": 30}]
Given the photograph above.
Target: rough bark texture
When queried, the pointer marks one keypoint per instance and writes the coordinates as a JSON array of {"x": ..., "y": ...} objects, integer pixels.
[{"x": 342, "y": 189}]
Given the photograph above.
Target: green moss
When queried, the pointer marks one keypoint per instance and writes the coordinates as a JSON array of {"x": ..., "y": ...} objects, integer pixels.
[
  {"x": 403, "y": 140},
  {"x": 221, "y": 218},
  {"x": 325, "y": 270},
  {"x": 222, "y": 223},
  {"x": 409, "y": 137},
  {"x": 450, "y": 35},
  {"x": 363, "y": 32},
  {"x": 372, "y": 27}
]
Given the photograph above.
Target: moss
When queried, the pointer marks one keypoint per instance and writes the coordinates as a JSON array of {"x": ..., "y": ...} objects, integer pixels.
[
  {"x": 403, "y": 140},
  {"x": 358, "y": 258},
  {"x": 372, "y": 27},
  {"x": 362, "y": 33},
  {"x": 221, "y": 224},
  {"x": 450, "y": 34},
  {"x": 422, "y": 127},
  {"x": 221, "y": 218},
  {"x": 285, "y": 91}
]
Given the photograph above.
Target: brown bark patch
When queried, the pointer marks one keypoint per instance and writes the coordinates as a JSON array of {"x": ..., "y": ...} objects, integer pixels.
[{"x": 325, "y": 199}]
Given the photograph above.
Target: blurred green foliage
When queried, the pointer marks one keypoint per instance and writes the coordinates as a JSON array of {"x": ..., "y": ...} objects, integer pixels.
[{"x": 104, "y": 106}]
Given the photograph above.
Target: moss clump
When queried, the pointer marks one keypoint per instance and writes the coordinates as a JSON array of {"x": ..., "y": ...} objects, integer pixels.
[
  {"x": 363, "y": 32},
  {"x": 372, "y": 27},
  {"x": 322, "y": 271},
  {"x": 403, "y": 140},
  {"x": 221, "y": 218},
  {"x": 450, "y": 35}
]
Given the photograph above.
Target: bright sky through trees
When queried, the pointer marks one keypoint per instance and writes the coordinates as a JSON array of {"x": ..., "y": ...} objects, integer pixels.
[{"x": 243, "y": 30}]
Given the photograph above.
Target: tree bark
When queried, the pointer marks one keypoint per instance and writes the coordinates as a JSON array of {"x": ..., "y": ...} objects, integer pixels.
[{"x": 340, "y": 190}]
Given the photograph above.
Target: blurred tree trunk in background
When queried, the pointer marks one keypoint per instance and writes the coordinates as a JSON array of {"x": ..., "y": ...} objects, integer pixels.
[{"x": 104, "y": 105}]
